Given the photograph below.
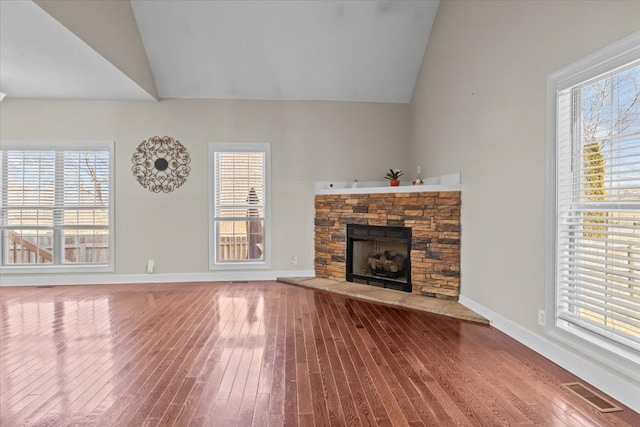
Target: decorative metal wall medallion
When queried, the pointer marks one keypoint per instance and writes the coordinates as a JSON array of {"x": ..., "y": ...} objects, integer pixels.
[{"x": 161, "y": 164}]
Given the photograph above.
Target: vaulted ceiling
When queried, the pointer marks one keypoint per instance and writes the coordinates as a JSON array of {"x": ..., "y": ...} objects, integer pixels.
[{"x": 367, "y": 51}]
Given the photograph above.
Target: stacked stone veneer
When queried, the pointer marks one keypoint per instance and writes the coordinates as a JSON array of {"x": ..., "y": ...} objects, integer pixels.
[{"x": 434, "y": 218}]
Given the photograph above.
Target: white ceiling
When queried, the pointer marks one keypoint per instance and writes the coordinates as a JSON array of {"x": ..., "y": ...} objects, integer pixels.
[{"x": 284, "y": 50}]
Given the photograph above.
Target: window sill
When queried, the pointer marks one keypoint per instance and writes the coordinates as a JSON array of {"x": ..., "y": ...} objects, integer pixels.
[
  {"x": 595, "y": 348},
  {"x": 55, "y": 269},
  {"x": 241, "y": 265}
]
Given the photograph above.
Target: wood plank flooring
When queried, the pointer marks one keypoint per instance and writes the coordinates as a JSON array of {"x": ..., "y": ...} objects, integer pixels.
[{"x": 264, "y": 354}]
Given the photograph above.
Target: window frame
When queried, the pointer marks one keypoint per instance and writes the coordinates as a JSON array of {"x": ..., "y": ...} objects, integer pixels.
[
  {"x": 58, "y": 266},
  {"x": 237, "y": 147},
  {"x": 616, "y": 356}
]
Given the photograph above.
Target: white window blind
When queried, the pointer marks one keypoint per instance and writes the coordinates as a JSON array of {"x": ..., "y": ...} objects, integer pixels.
[
  {"x": 597, "y": 280},
  {"x": 239, "y": 203},
  {"x": 56, "y": 206}
]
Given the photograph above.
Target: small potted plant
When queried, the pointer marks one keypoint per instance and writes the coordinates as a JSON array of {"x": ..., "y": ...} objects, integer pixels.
[{"x": 394, "y": 177}]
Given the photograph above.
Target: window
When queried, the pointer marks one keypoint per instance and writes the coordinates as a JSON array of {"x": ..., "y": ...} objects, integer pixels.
[
  {"x": 56, "y": 207},
  {"x": 239, "y": 205},
  {"x": 594, "y": 292}
]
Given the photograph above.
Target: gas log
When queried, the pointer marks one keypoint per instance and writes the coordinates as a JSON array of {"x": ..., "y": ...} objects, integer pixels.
[{"x": 389, "y": 261}]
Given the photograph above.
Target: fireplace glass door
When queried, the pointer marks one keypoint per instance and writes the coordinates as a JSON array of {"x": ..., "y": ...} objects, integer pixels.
[{"x": 379, "y": 256}]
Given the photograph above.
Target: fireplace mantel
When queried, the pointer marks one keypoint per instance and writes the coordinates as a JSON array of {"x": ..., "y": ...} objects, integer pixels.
[{"x": 449, "y": 182}]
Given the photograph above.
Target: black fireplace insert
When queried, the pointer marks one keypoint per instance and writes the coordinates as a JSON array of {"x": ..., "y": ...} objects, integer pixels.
[{"x": 379, "y": 256}]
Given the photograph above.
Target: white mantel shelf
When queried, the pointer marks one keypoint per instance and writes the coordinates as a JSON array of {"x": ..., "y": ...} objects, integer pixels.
[
  {"x": 389, "y": 189},
  {"x": 441, "y": 183}
]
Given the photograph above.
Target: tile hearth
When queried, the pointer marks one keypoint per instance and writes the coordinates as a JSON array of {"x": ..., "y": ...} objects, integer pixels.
[{"x": 389, "y": 296}]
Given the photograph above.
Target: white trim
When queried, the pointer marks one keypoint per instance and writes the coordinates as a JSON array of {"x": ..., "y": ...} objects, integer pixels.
[
  {"x": 115, "y": 279},
  {"x": 600, "y": 62},
  {"x": 388, "y": 189},
  {"x": 450, "y": 182},
  {"x": 625, "y": 391},
  {"x": 53, "y": 145},
  {"x": 44, "y": 269},
  {"x": 214, "y": 147},
  {"x": 605, "y": 60}
]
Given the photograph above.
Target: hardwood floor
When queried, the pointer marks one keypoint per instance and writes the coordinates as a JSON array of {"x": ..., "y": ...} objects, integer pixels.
[{"x": 264, "y": 353}]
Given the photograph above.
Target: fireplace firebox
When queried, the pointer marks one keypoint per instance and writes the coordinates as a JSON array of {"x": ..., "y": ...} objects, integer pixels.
[{"x": 379, "y": 256}]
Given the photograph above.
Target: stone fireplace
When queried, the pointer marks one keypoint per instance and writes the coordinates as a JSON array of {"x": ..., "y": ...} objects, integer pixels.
[
  {"x": 379, "y": 256},
  {"x": 433, "y": 218}
]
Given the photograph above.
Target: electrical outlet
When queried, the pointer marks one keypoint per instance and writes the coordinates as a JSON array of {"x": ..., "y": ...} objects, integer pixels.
[
  {"x": 542, "y": 317},
  {"x": 151, "y": 265},
  {"x": 294, "y": 260}
]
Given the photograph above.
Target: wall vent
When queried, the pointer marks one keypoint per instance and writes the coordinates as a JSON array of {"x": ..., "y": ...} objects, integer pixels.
[{"x": 593, "y": 398}]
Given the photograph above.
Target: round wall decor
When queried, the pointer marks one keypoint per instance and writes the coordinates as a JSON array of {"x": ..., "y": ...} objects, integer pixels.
[{"x": 161, "y": 164}]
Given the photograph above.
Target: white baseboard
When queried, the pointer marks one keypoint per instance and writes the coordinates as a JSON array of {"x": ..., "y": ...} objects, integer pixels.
[
  {"x": 614, "y": 385},
  {"x": 109, "y": 278}
]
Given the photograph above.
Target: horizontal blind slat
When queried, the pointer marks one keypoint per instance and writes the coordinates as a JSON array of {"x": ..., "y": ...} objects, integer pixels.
[
  {"x": 569, "y": 265},
  {"x": 600, "y": 329},
  {"x": 604, "y": 294}
]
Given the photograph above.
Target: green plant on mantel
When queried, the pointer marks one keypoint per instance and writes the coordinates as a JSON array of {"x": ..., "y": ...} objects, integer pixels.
[{"x": 393, "y": 175}]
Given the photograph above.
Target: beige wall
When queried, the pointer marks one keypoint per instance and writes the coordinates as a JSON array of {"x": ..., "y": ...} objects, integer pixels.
[
  {"x": 310, "y": 141},
  {"x": 110, "y": 28},
  {"x": 480, "y": 108}
]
